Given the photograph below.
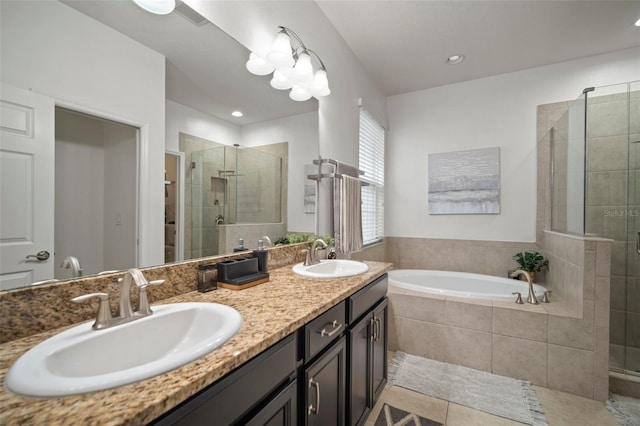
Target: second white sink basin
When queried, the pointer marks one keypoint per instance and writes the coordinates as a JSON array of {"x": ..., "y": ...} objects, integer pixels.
[
  {"x": 336, "y": 268},
  {"x": 81, "y": 359}
]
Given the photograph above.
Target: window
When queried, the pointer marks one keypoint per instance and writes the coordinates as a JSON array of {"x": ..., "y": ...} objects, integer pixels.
[{"x": 371, "y": 161}]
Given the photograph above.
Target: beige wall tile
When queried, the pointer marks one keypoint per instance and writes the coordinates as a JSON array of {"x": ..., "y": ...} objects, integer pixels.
[
  {"x": 589, "y": 275},
  {"x": 575, "y": 333},
  {"x": 412, "y": 305},
  {"x": 522, "y": 324},
  {"x": 394, "y": 329},
  {"x": 601, "y": 353},
  {"x": 573, "y": 284},
  {"x": 575, "y": 251},
  {"x": 608, "y": 118},
  {"x": 601, "y": 389},
  {"x": 520, "y": 358},
  {"x": 471, "y": 316},
  {"x": 617, "y": 327},
  {"x": 468, "y": 348},
  {"x": 424, "y": 339},
  {"x": 603, "y": 258},
  {"x": 571, "y": 370},
  {"x": 607, "y": 153}
]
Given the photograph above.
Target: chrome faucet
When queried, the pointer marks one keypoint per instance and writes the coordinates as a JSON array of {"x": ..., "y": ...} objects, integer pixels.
[
  {"x": 532, "y": 297},
  {"x": 71, "y": 262},
  {"x": 125, "y": 314},
  {"x": 267, "y": 241},
  {"x": 312, "y": 255}
]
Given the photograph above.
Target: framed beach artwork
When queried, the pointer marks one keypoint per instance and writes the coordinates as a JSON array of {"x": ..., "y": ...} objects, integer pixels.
[{"x": 464, "y": 182}]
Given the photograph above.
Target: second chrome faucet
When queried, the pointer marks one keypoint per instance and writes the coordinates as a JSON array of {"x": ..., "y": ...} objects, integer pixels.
[{"x": 104, "y": 318}]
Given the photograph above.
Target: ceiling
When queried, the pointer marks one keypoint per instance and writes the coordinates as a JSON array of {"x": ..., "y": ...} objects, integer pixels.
[
  {"x": 205, "y": 67},
  {"x": 404, "y": 44}
]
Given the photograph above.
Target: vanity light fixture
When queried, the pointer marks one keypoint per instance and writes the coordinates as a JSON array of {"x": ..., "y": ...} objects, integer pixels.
[
  {"x": 159, "y": 7},
  {"x": 291, "y": 67},
  {"x": 237, "y": 113},
  {"x": 455, "y": 59}
]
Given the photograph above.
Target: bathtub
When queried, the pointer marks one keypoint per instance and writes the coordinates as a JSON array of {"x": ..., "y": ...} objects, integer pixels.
[{"x": 461, "y": 284}]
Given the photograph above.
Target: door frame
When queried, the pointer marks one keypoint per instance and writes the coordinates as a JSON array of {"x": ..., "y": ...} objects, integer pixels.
[
  {"x": 143, "y": 184},
  {"x": 180, "y": 159}
]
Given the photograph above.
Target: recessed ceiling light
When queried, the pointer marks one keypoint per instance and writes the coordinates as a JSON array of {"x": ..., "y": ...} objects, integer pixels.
[
  {"x": 638, "y": 23},
  {"x": 237, "y": 113},
  {"x": 455, "y": 59}
]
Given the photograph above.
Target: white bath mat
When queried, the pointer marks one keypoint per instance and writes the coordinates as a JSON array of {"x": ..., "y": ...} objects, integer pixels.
[
  {"x": 501, "y": 396},
  {"x": 625, "y": 409}
]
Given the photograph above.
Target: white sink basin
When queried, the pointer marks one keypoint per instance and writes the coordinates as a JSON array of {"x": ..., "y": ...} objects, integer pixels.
[
  {"x": 331, "y": 269},
  {"x": 81, "y": 359}
]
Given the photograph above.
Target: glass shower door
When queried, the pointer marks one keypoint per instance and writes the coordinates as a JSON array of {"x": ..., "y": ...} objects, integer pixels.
[{"x": 632, "y": 349}]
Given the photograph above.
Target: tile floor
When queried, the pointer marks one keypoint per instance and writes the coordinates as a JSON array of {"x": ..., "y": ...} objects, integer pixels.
[{"x": 560, "y": 408}]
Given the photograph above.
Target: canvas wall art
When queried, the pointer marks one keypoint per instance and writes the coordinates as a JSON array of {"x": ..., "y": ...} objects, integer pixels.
[{"x": 464, "y": 182}]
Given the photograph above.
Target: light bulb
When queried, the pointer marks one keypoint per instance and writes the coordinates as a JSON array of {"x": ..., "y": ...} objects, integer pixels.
[
  {"x": 280, "y": 81},
  {"x": 280, "y": 53},
  {"x": 320, "y": 85},
  {"x": 159, "y": 7},
  {"x": 302, "y": 70},
  {"x": 299, "y": 94},
  {"x": 258, "y": 66}
]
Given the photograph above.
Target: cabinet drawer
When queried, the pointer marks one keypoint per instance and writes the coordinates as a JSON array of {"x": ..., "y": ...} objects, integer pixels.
[
  {"x": 234, "y": 395},
  {"x": 365, "y": 298},
  {"x": 323, "y": 330}
]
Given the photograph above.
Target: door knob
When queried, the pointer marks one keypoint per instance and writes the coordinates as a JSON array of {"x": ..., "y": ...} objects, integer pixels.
[{"x": 40, "y": 256}]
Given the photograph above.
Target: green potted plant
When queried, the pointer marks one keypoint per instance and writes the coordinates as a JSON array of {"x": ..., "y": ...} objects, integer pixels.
[{"x": 532, "y": 262}]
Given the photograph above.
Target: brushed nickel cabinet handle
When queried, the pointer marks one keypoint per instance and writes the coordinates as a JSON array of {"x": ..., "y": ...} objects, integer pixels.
[
  {"x": 335, "y": 328},
  {"x": 311, "y": 409},
  {"x": 372, "y": 325}
]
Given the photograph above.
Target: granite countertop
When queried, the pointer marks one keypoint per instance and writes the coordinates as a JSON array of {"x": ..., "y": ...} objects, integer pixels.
[{"x": 270, "y": 311}]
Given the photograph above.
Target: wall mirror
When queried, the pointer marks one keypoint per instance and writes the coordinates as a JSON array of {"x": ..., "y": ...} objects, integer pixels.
[{"x": 206, "y": 81}]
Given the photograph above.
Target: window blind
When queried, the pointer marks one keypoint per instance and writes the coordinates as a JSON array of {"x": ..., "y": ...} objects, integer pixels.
[{"x": 371, "y": 162}]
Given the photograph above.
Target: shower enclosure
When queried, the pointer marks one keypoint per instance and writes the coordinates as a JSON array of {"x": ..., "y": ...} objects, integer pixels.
[
  {"x": 595, "y": 189},
  {"x": 228, "y": 185}
]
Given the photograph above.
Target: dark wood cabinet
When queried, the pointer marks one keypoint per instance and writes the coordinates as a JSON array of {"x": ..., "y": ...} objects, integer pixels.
[
  {"x": 367, "y": 352},
  {"x": 367, "y": 363},
  {"x": 240, "y": 393},
  {"x": 325, "y": 387},
  {"x": 329, "y": 372},
  {"x": 379, "y": 346},
  {"x": 280, "y": 411}
]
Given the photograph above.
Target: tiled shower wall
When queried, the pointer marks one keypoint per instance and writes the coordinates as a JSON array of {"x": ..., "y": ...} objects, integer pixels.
[
  {"x": 612, "y": 204},
  {"x": 613, "y": 200}
]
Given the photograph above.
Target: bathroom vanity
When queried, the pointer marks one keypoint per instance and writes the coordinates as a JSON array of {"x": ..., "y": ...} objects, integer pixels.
[
  {"x": 309, "y": 352},
  {"x": 328, "y": 372}
]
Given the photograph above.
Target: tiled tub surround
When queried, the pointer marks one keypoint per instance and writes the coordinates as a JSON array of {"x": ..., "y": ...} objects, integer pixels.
[
  {"x": 562, "y": 345},
  {"x": 270, "y": 312}
]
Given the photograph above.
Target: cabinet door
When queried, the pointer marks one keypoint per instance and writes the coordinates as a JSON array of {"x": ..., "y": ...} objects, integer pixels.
[
  {"x": 280, "y": 411},
  {"x": 359, "y": 361},
  {"x": 325, "y": 388},
  {"x": 379, "y": 351}
]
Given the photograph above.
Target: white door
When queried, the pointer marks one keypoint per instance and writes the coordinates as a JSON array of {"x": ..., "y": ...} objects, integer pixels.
[{"x": 27, "y": 158}]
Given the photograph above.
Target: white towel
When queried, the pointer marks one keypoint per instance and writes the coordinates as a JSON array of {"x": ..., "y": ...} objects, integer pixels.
[{"x": 347, "y": 214}]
